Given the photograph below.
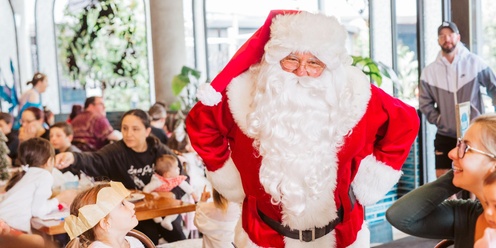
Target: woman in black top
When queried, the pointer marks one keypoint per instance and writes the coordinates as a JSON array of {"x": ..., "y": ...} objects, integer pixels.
[
  {"x": 426, "y": 212},
  {"x": 130, "y": 161}
]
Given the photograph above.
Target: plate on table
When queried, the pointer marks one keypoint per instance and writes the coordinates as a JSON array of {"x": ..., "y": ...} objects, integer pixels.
[{"x": 134, "y": 197}]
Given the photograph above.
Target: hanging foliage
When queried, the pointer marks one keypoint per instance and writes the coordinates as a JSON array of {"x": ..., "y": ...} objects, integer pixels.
[
  {"x": 103, "y": 45},
  {"x": 4, "y": 162},
  {"x": 184, "y": 86}
]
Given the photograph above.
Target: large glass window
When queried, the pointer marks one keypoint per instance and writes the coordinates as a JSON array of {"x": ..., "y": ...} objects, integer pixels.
[
  {"x": 102, "y": 50},
  {"x": 488, "y": 40},
  {"x": 489, "y": 30},
  {"x": 9, "y": 74},
  {"x": 406, "y": 51}
]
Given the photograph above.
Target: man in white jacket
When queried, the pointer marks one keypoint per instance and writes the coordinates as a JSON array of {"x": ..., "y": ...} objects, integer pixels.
[{"x": 453, "y": 78}]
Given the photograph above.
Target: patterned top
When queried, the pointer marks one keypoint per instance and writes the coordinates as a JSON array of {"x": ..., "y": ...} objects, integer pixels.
[
  {"x": 90, "y": 131},
  {"x": 161, "y": 184}
]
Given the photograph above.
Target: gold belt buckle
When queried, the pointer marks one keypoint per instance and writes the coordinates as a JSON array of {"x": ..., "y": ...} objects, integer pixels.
[{"x": 301, "y": 235}]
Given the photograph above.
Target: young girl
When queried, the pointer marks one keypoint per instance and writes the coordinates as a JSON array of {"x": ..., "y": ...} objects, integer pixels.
[
  {"x": 29, "y": 190},
  {"x": 101, "y": 218},
  {"x": 216, "y": 220},
  {"x": 489, "y": 190},
  {"x": 166, "y": 178}
]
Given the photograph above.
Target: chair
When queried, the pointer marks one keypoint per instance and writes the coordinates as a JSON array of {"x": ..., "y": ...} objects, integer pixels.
[
  {"x": 141, "y": 237},
  {"x": 444, "y": 243}
]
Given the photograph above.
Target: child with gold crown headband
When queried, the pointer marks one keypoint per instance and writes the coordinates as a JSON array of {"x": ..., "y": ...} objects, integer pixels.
[
  {"x": 101, "y": 217},
  {"x": 29, "y": 190}
]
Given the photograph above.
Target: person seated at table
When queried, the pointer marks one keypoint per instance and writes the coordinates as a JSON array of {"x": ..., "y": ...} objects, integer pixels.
[
  {"x": 49, "y": 119},
  {"x": 216, "y": 220},
  {"x": 165, "y": 178},
  {"x": 75, "y": 110},
  {"x": 101, "y": 217},
  {"x": 61, "y": 135},
  {"x": 32, "y": 120},
  {"x": 6, "y": 122},
  {"x": 425, "y": 212},
  {"x": 130, "y": 161},
  {"x": 158, "y": 114},
  {"x": 92, "y": 129},
  {"x": 179, "y": 139},
  {"x": 29, "y": 190},
  {"x": 10, "y": 237}
]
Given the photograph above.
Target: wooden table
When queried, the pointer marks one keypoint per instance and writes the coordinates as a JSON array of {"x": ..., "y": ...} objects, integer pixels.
[{"x": 152, "y": 206}]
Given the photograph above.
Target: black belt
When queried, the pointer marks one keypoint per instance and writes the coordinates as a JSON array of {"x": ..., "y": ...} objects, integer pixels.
[{"x": 308, "y": 235}]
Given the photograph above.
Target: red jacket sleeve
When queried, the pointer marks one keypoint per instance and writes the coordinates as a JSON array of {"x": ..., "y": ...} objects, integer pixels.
[
  {"x": 208, "y": 128},
  {"x": 396, "y": 135}
]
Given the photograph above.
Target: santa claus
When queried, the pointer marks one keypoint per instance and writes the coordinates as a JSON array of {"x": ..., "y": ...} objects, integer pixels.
[{"x": 299, "y": 136}]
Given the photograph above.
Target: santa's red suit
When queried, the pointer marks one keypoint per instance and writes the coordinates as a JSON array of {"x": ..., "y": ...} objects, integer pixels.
[{"x": 364, "y": 163}]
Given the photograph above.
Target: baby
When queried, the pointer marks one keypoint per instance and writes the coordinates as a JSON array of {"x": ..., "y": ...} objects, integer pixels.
[
  {"x": 165, "y": 178},
  {"x": 489, "y": 190},
  {"x": 216, "y": 220}
]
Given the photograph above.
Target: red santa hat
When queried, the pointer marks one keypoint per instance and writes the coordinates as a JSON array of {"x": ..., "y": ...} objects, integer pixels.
[{"x": 283, "y": 32}]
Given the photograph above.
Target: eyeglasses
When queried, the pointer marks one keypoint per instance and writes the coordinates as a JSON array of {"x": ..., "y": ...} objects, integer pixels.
[
  {"x": 463, "y": 148},
  {"x": 312, "y": 65}
]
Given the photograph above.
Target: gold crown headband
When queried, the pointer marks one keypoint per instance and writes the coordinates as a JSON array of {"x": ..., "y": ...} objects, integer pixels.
[{"x": 106, "y": 200}]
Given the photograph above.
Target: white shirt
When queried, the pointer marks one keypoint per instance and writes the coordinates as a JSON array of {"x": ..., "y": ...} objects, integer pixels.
[
  {"x": 28, "y": 198},
  {"x": 133, "y": 243},
  {"x": 216, "y": 225}
]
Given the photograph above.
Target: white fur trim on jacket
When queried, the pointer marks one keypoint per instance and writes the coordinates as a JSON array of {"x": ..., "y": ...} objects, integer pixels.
[
  {"x": 238, "y": 93},
  {"x": 227, "y": 181},
  {"x": 326, "y": 39},
  {"x": 208, "y": 95},
  {"x": 363, "y": 238},
  {"x": 373, "y": 180}
]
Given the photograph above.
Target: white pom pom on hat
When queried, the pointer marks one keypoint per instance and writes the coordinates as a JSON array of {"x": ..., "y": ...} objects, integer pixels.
[{"x": 287, "y": 31}]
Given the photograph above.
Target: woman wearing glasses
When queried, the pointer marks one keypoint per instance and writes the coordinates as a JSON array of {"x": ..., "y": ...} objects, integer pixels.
[{"x": 424, "y": 211}]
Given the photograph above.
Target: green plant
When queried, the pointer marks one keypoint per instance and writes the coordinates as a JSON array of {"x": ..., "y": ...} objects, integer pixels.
[
  {"x": 4, "y": 162},
  {"x": 103, "y": 45},
  {"x": 375, "y": 70},
  {"x": 184, "y": 87}
]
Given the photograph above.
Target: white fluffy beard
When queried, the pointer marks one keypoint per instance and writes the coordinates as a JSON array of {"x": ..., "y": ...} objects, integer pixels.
[{"x": 296, "y": 125}]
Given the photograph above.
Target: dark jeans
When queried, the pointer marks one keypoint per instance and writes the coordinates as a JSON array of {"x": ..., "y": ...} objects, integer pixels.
[{"x": 443, "y": 145}]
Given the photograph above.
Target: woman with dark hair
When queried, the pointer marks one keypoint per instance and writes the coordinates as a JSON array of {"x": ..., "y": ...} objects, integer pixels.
[
  {"x": 76, "y": 109},
  {"x": 32, "y": 120},
  {"x": 130, "y": 161},
  {"x": 32, "y": 97}
]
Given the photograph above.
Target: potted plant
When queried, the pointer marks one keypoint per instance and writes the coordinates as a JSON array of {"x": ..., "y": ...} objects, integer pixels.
[{"x": 184, "y": 87}]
